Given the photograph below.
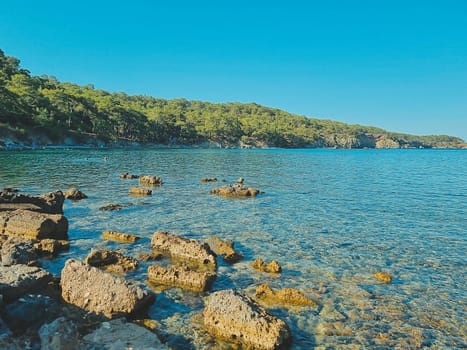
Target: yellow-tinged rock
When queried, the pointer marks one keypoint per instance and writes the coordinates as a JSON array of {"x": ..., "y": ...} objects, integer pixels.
[{"x": 382, "y": 277}]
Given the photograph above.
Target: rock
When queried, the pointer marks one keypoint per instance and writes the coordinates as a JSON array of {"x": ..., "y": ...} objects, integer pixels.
[
  {"x": 236, "y": 190},
  {"x": 128, "y": 176},
  {"x": 111, "y": 261},
  {"x": 17, "y": 280},
  {"x": 181, "y": 277},
  {"x": 183, "y": 248},
  {"x": 140, "y": 191},
  {"x": 47, "y": 247},
  {"x": 49, "y": 203},
  {"x": 30, "y": 312},
  {"x": 382, "y": 277},
  {"x": 119, "y": 236},
  {"x": 61, "y": 334},
  {"x": 100, "y": 292},
  {"x": 240, "y": 180},
  {"x": 225, "y": 248},
  {"x": 232, "y": 316},
  {"x": 209, "y": 179},
  {"x": 386, "y": 142},
  {"x": 74, "y": 194},
  {"x": 17, "y": 251},
  {"x": 5, "y": 332},
  {"x": 286, "y": 296},
  {"x": 112, "y": 207},
  {"x": 34, "y": 225},
  {"x": 150, "y": 180},
  {"x": 272, "y": 267},
  {"x": 149, "y": 256},
  {"x": 122, "y": 335}
]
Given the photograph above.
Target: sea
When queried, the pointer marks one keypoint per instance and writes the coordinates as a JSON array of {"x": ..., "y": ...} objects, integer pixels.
[{"x": 331, "y": 218}]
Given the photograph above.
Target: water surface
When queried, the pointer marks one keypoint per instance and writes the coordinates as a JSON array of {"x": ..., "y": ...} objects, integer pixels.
[{"x": 331, "y": 218}]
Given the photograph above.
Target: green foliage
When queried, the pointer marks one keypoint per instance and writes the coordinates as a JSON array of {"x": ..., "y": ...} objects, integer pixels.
[{"x": 44, "y": 103}]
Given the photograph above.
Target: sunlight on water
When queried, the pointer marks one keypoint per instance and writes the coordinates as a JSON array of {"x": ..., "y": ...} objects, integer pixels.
[{"x": 332, "y": 218}]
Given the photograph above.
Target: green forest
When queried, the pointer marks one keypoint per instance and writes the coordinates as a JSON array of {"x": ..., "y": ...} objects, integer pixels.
[{"x": 42, "y": 105}]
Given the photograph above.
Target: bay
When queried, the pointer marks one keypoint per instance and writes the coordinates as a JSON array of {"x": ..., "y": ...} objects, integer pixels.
[{"x": 331, "y": 218}]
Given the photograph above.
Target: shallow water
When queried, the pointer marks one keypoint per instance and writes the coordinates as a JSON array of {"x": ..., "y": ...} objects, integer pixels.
[{"x": 330, "y": 217}]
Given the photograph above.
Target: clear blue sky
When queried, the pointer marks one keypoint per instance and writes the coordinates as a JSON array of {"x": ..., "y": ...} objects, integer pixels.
[{"x": 399, "y": 65}]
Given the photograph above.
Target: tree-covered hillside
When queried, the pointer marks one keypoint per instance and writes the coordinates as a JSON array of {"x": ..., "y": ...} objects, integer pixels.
[{"x": 33, "y": 105}]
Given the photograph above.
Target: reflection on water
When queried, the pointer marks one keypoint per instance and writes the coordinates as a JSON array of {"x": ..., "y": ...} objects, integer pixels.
[{"x": 332, "y": 218}]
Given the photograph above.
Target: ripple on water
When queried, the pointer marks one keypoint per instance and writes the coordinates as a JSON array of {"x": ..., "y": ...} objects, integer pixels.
[{"x": 331, "y": 218}]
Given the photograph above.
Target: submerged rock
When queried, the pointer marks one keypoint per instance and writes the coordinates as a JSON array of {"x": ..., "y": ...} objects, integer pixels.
[
  {"x": 209, "y": 179},
  {"x": 112, "y": 207},
  {"x": 183, "y": 248},
  {"x": 49, "y": 203},
  {"x": 150, "y": 180},
  {"x": 17, "y": 280},
  {"x": 382, "y": 277},
  {"x": 232, "y": 316},
  {"x": 149, "y": 256},
  {"x": 183, "y": 277},
  {"x": 286, "y": 296},
  {"x": 111, "y": 261},
  {"x": 236, "y": 190},
  {"x": 225, "y": 248},
  {"x": 121, "y": 335},
  {"x": 128, "y": 176},
  {"x": 34, "y": 225},
  {"x": 271, "y": 267},
  {"x": 97, "y": 291},
  {"x": 119, "y": 236},
  {"x": 60, "y": 334},
  {"x": 140, "y": 191}
]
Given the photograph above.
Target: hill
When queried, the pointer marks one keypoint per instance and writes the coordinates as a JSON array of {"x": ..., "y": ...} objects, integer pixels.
[{"x": 40, "y": 110}]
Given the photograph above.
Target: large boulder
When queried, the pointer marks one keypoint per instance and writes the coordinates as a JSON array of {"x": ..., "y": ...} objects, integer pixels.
[
  {"x": 18, "y": 280},
  {"x": 121, "y": 335},
  {"x": 232, "y": 316},
  {"x": 224, "y": 248},
  {"x": 33, "y": 225},
  {"x": 183, "y": 248},
  {"x": 50, "y": 203},
  {"x": 97, "y": 291},
  {"x": 236, "y": 190},
  {"x": 182, "y": 277},
  {"x": 111, "y": 261}
]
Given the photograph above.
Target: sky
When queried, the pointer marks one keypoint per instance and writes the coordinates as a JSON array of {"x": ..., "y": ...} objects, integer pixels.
[{"x": 398, "y": 65}]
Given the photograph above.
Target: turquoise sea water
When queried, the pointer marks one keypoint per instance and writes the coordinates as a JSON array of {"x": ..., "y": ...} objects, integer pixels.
[{"x": 331, "y": 218}]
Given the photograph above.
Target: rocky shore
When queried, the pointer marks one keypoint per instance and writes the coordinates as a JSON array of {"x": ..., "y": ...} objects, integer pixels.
[{"x": 93, "y": 304}]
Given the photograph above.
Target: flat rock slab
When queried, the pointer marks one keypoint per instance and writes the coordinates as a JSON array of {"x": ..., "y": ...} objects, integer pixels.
[
  {"x": 33, "y": 225},
  {"x": 18, "y": 280},
  {"x": 97, "y": 291},
  {"x": 122, "y": 335},
  {"x": 232, "y": 316},
  {"x": 119, "y": 236},
  {"x": 183, "y": 248},
  {"x": 50, "y": 203},
  {"x": 180, "y": 277}
]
